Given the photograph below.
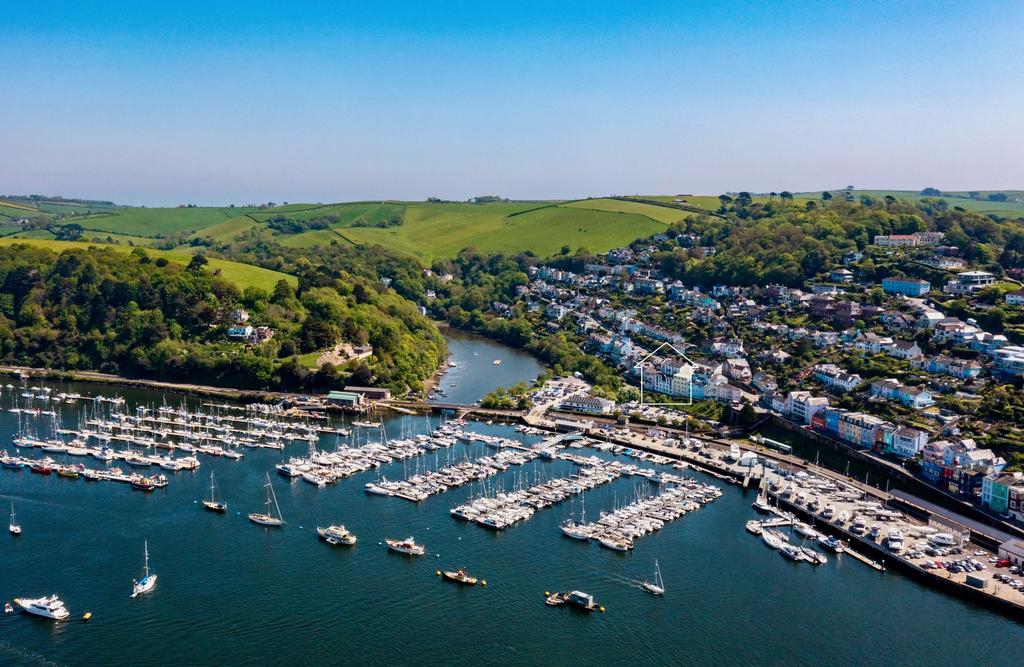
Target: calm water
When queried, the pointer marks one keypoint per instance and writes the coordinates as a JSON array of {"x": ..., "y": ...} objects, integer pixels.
[
  {"x": 230, "y": 592},
  {"x": 475, "y": 372}
]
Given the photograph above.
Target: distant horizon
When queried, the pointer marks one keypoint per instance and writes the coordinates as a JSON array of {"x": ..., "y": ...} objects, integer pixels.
[
  {"x": 199, "y": 102},
  {"x": 326, "y": 201}
]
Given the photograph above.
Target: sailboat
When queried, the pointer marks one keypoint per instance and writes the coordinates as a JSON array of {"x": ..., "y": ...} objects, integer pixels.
[
  {"x": 266, "y": 518},
  {"x": 657, "y": 587},
  {"x": 577, "y": 529},
  {"x": 147, "y": 583},
  {"x": 13, "y": 526},
  {"x": 213, "y": 504}
]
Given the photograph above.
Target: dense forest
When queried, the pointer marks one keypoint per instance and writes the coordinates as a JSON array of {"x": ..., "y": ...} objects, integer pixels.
[{"x": 109, "y": 311}]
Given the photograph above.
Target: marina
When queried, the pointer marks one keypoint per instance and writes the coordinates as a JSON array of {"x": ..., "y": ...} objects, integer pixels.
[{"x": 689, "y": 553}]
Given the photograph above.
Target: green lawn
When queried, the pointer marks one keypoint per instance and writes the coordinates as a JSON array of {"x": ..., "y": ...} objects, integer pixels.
[
  {"x": 243, "y": 275},
  {"x": 442, "y": 230}
]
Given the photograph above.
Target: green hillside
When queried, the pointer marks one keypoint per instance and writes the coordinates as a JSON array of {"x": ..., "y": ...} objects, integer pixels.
[
  {"x": 433, "y": 231},
  {"x": 243, "y": 275},
  {"x": 154, "y": 222}
]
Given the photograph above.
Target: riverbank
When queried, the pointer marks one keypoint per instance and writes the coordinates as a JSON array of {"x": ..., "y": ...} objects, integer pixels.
[{"x": 262, "y": 396}]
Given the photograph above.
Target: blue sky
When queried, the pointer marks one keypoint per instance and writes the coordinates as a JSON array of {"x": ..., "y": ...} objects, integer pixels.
[{"x": 217, "y": 102}]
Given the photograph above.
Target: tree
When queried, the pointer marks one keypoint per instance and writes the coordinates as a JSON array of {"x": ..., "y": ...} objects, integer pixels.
[
  {"x": 974, "y": 194},
  {"x": 826, "y": 196},
  {"x": 931, "y": 192},
  {"x": 787, "y": 197},
  {"x": 565, "y": 250},
  {"x": 71, "y": 232},
  {"x": 726, "y": 200},
  {"x": 811, "y": 205},
  {"x": 744, "y": 199},
  {"x": 197, "y": 263},
  {"x": 997, "y": 196}
]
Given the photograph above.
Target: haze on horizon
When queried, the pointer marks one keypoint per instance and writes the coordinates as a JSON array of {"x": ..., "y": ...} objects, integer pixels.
[{"x": 215, "y": 103}]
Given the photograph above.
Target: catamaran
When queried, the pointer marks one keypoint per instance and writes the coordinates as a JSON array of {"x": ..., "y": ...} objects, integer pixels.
[
  {"x": 266, "y": 518},
  {"x": 147, "y": 583},
  {"x": 13, "y": 526},
  {"x": 657, "y": 587},
  {"x": 213, "y": 504}
]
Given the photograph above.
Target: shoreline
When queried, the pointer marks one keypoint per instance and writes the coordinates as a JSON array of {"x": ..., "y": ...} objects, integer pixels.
[{"x": 257, "y": 395}]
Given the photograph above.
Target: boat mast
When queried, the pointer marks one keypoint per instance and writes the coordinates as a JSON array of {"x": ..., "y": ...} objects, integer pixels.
[
  {"x": 274, "y": 496},
  {"x": 146, "y": 552}
]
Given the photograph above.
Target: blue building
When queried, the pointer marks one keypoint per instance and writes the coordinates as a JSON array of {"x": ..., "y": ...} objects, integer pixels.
[{"x": 906, "y": 286}]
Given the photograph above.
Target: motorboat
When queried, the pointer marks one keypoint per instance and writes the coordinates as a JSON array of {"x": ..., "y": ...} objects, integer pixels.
[
  {"x": 754, "y": 527},
  {"x": 47, "y": 607},
  {"x": 376, "y": 490},
  {"x": 793, "y": 553},
  {"x": 943, "y": 540},
  {"x": 772, "y": 539},
  {"x": 459, "y": 576},
  {"x": 831, "y": 543},
  {"x": 406, "y": 546},
  {"x": 148, "y": 582},
  {"x": 813, "y": 557},
  {"x": 336, "y": 535},
  {"x": 894, "y": 541}
]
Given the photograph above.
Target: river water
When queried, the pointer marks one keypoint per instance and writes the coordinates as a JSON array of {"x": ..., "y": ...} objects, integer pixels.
[
  {"x": 475, "y": 373},
  {"x": 231, "y": 592}
]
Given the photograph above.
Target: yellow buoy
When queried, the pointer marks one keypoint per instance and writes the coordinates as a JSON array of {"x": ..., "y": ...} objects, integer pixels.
[
  {"x": 602, "y": 610},
  {"x": 438, "y": 573},
  {"x": 546, "y": 593},
  {"x": 86, "y": 616},
  {"x": 483, "y": 582}
]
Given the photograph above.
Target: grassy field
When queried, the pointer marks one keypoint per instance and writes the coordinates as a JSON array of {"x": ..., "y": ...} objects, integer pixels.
[
  {"x": 312, "y": 238},
  {"x": 442, "y": 230},
  {"x": 347, "y": 213},
  {"x": 241, "y": 275},
  {"x": 657, "y": 213},
  {"x": 224, "y": 232},
  {"x": 153, "y": 222}
]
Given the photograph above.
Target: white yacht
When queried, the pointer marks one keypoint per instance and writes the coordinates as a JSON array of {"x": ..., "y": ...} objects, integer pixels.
[
  {"x": 938, "y": 539},
  {"x": 377, "y": 490},
  {"x": 894, "y": 541},
  {"x": 146, "y": 584},
  {"x": 406, "y": 546},
  {"x": 50, "y": 607},
  {"x": 335, "y": 535}
]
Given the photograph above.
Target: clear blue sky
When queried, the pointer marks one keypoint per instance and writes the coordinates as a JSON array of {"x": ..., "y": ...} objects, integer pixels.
[{"x": 217, "y": 102}]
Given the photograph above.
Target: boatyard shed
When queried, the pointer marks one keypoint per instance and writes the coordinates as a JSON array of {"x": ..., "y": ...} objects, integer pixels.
[
  {"x": 372, "y": 393},
  {"x": 1013, "y": 551},
  {"x": 346, "y": 399}
]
